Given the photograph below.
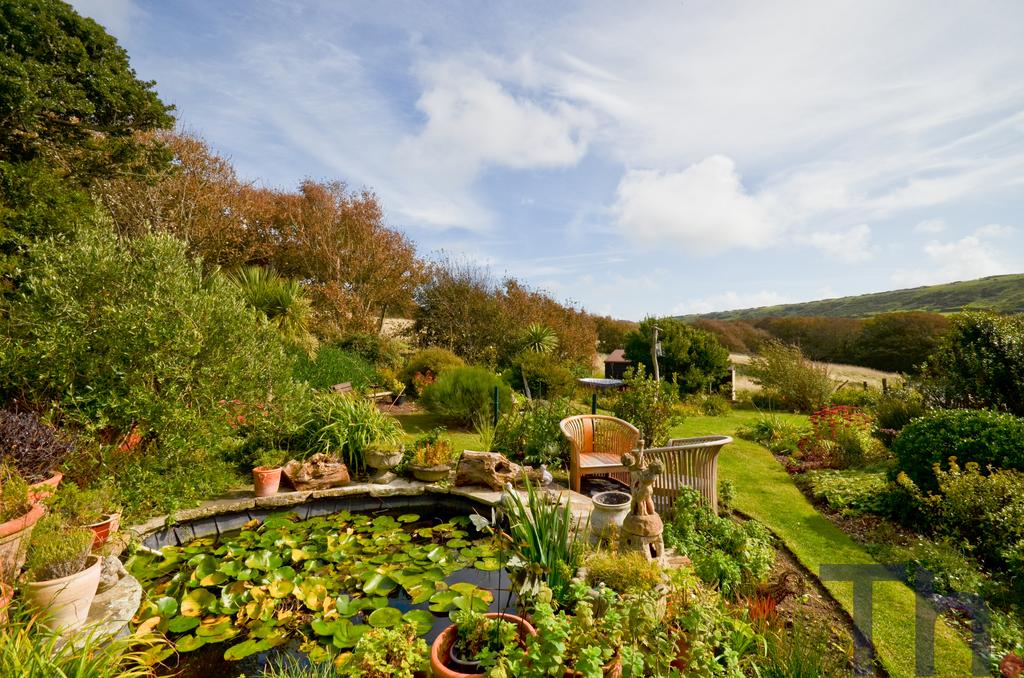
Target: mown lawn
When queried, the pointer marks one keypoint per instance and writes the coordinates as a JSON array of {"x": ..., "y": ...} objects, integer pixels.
[
  {"x": 765, "y": 491},
  {"x": 416, "y": 425}
]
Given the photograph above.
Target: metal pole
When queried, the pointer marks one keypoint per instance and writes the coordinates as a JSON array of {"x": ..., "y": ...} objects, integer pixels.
[
  {"x": 654, "y": 354},
  {"x": 496, "y": 406},
  {"x": 593, "y": 403}
]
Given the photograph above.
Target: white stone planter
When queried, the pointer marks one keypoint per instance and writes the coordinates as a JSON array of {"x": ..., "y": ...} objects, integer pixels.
[
  {"x": 608, "y": 513},
  {"x": 65, "y": 602}
]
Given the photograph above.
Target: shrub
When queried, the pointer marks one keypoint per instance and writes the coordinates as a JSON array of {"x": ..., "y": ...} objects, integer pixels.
[
  {"x": 332, "y": 365},
  {"x": 727, "y": 554},
  {"x": 707, "y": 405},
  {"x": 979, "y": 363},
  {"x": 895, "y": 409},
  {"x": 35, "y": 449},
  {"x": 623, "y": 572},
  {"x": 428, "y": 363},
  {"x": 129, "y": 337},
  {"x": 852, "y": 492},
  {"x": 530, "y": 432},
  {"x": 855, "y": 397},
  {"x": 842, "y": 434},
  {"x": 797, "y": 382},
  {"x": 987, "y": 438},
  {"x": 463, "y": 393},
  {"x": 388, "y": 653},
  {"x": 432, "y": 449},
  {"x": 374, "y": 348},
  {"x": 777, "y": 434},
  {"x": 14, "y": 499},
  {"x": 57, "y": 549},
  {"x": 81, "y": 506},
  {"x": 647, "y": 404},
  {"x": 952, "y": 571},
  {"x": 547, "y": 378}
]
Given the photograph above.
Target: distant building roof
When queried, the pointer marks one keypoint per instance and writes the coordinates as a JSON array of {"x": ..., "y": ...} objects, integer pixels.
[{"x": 617, "y": 356}]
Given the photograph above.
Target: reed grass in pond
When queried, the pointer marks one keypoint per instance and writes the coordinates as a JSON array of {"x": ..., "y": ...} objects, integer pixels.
[{"x": 314, "y": 584}]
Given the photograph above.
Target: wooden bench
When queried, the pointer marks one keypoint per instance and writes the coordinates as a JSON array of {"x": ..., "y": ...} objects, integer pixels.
[{"x": 688, "y": 462}]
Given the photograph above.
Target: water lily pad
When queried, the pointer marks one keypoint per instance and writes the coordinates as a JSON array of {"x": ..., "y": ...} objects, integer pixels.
[
  {"x": 281, "y": 588},
  {"x": 408, "y": 518},
  {"x": 245, "y": 648},
  {"x": 263, "y": 560},
  {"x": 442, "y": 601},
  {"x": 182, "y": 624},
  {"x": 487, "y": 564},
  {"x": 166, "y": 607},
  {"x": 196, "y": 602},
  {"x": 189, "y": 643},
  {"x": 213, "y": 579},
  {"x": 421, "y": 619},
  {"x": 378, "y": 584},
  {"x": 386, "y": 617},
  {"x": 348, "y": 634}
]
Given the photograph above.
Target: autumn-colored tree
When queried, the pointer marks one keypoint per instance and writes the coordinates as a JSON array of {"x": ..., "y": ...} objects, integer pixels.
[
  {"x": 359, "y": 269},
  {"x": 199, "y": 199},
  {"x": 739, "y": 336},
  {"x": 819, "y": 338},
  {"x": 611, "y": 333},
  {"x": 574, "y": 328}
]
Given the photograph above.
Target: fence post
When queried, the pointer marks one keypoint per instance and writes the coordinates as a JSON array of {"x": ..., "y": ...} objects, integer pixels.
[
  {"x": 593, "y": 403},
  {"x": 865, "y": 385},
  {"x": 885, "y": 385},
  {"x": 496, "y": 405}
]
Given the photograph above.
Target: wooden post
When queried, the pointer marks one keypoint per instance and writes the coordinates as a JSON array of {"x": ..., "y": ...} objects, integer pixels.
[
  {"x": 885, "y": 385},
  {"x": 732, "y": 375},
  {"x": 654, "y": 354},
  {"x": 865, "y": 385}
]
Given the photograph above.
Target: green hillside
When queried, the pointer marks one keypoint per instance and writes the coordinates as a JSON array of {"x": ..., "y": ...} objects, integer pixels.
[{"x": 1004, "y": 293}]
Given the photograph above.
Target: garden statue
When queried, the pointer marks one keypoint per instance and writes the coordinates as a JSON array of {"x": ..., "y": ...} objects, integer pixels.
[{"x": 642, "y": 528}]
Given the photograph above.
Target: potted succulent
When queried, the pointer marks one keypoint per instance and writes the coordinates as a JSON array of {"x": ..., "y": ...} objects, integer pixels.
[
  {"x": 609, "y": 511},
  {"x": 266, "y": 475},
  {"x": 382, "y": 458},
  {"x": 432, "y": 457},
  {"x": 62, "y": 576},
  {"x": 18, "y": 515},
  {"x": 34, "y": 448},
  {"x": 476, "y": 641},
  {"x": 92, "y": 508},
  {"x": 387, "y": 653}
]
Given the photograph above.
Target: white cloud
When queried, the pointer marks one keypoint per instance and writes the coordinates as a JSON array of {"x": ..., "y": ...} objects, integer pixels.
[
  {"x": 972, "y": 256},
  {"x": 728, "y": 301},
  {"x": 851, "y": 246},
  {"x": 995, "y": 231},
  {"x": 930, "y": 226},
  {"x": 702, "y": 209}
]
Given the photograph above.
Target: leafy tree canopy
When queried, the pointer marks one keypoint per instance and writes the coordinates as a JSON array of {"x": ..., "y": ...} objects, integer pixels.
[{"x": 692, "y": 357}]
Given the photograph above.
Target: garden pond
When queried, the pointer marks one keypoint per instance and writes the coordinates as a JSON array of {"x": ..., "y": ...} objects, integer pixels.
[{"x": 312, "y": 587}]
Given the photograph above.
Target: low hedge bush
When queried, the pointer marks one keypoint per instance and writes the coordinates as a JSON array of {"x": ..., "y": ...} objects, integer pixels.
[
  {"x": 425, "y": 365},
  {"x": 462, "y": 394},
  {"x": 984, "y": 437},
  {"x": 332, "y": 365},
  {"x": 852, "y": 492}
]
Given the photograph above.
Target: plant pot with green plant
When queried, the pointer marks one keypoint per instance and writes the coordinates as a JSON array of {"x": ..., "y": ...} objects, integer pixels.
[
  {"x": 266, "y": 475},
  {"x": 476, "y": 641},
  {"x": 18, "y": 515},
  {"x": 382, "y": 457},
  {"x": 432, "y": 457},
  {"x": 62, "y": 576},
  {"x": 93, "y": 508}
]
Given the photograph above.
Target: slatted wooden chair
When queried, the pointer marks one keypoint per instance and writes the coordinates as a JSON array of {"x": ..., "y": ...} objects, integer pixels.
[
  {"x": 688, "y": 462},
  {"x": 598, "y": 443}
]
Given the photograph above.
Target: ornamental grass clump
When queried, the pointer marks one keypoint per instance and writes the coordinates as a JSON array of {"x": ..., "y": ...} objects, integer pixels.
[
  {"x": 57, "y": 549},
  {"x": 346, "y": 425}
]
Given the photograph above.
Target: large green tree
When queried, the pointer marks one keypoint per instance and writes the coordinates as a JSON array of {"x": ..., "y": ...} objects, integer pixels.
[
  {"x": 899, "y": 342},
  {"x": 71, "y": 109},
  {"x": 691, "y": 357}
]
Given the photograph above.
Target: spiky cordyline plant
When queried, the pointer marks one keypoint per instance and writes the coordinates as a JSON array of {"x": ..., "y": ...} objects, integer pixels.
[{"x": 282, "y": 300}]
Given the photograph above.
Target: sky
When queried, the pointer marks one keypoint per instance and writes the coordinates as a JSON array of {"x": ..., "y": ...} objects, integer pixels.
[{"x": 638, "y": 159}]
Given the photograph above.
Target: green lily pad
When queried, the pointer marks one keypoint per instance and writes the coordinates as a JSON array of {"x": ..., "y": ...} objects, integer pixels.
[
  {"x": 245, "y": 648},
  {"x": 281, "y": 588},
  {"x": 196, "y": 602},
  {"x": 385, "y": 617},
  {"x": 182, "y": 624},
  {"x": 487, "y": 564},
  {"x": 189, "y": 643},
  {"x": 166, "y": 607},
  {"x": 348, "y": 634},
  {"x": 378, "y": 584},
  {"x": 408, "y": 518},
  {"x": 421, "y": 619}
]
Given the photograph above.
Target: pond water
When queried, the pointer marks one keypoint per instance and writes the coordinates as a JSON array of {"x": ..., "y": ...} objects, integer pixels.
[{"x": 304, "y": 588}]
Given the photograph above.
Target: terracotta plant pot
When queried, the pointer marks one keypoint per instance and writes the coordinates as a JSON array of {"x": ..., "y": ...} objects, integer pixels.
[
  {"x": 104, "y": 528},
  {"x": 442, "y": 646},
  {"x": 266, "y": 481},
  {"x": 65, "y": 602},
  {"x": 609, "y": 510},
  {"x": 45, "y": 488},
  {"x": 14, "y": 536},
  {"x": 6, "y": 596},
  {"x": 430, "y": 474}
]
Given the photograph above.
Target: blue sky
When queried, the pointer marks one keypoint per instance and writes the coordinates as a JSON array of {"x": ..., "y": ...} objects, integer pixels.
[{"x": 637, "y": 158}]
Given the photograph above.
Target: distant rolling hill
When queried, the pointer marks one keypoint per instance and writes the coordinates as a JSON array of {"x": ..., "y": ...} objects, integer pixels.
[{"x": 1004, "y": 293}]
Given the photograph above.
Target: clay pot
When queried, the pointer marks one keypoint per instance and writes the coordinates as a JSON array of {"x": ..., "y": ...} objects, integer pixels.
[
  {"x": 14, "y": 537},
  {"x": 65, "y": 602},
  {"x": 430, "y": 474},
  {"x": 608, "y": 512},
  {"x": 266, "y": 481},
  {"x": 6, "y": 596},
  {"x": 45, "y": 488},
  {"x": 441, "y": 649},
  {"x": 104, "y": 528}
]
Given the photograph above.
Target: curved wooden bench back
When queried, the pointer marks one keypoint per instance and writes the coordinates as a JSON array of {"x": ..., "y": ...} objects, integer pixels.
[{"x": 688, "y": 462}]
